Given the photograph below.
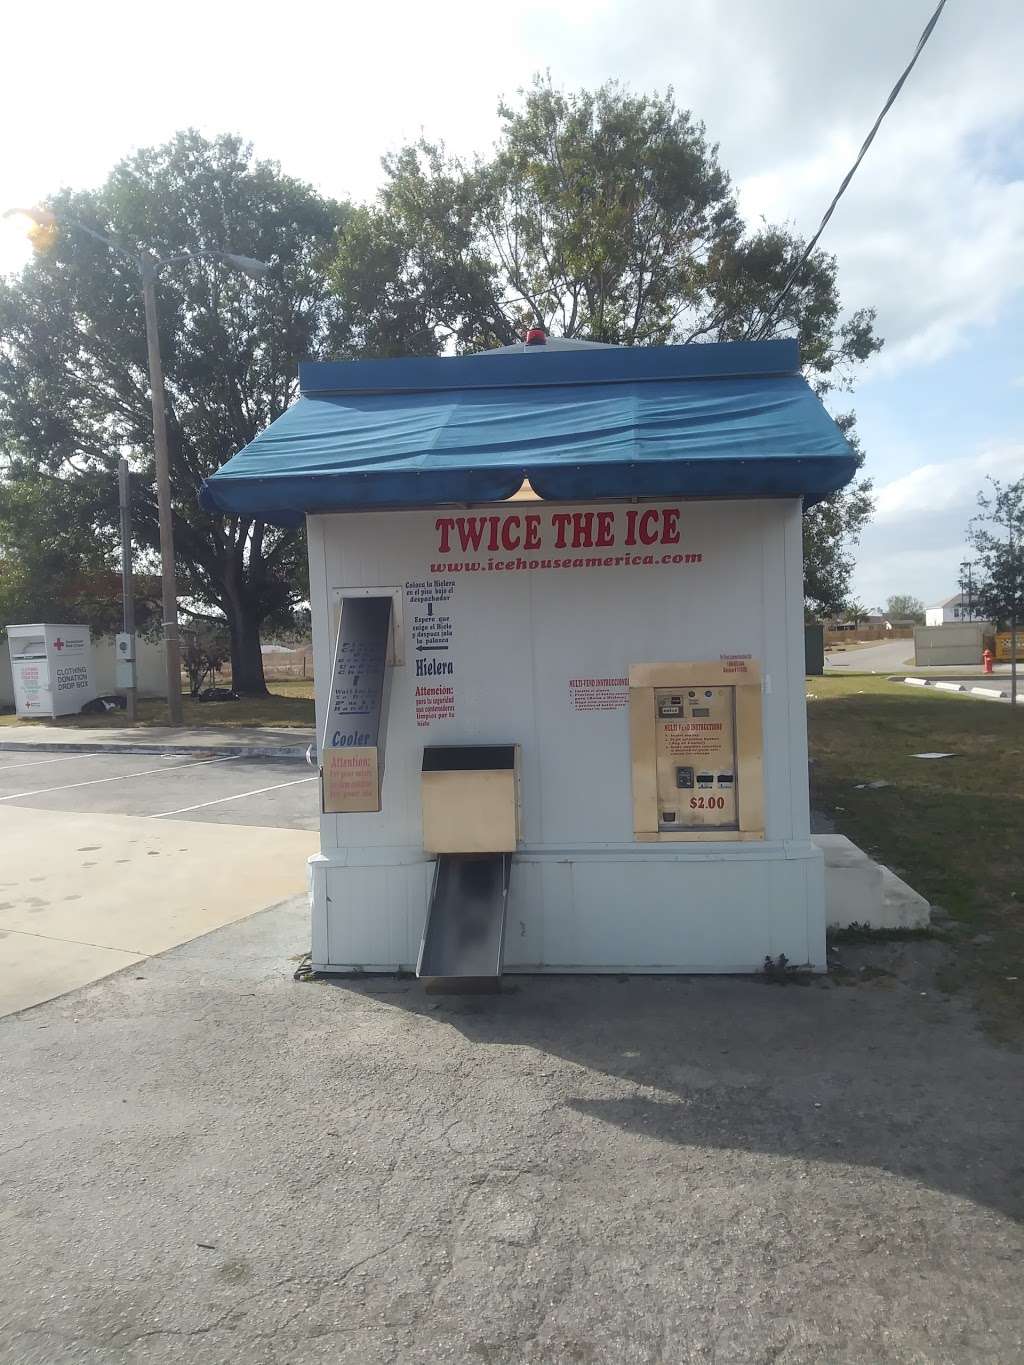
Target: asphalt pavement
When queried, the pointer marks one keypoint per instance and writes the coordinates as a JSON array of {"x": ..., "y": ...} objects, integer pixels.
[
  {"x": 201, "y": 1155},
  {"x": 206, "y": 1160},
  {"x": 888, "y": 656},
  {"x": 212, "y": 788},
  {"x": 897, "y": 656}
]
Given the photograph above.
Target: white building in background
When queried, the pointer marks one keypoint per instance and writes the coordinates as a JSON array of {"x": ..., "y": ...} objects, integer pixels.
[{"x": 951, "y": 612}]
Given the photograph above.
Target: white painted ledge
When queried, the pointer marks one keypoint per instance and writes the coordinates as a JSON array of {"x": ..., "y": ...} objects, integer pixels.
[{"x": 860, "y": 891}]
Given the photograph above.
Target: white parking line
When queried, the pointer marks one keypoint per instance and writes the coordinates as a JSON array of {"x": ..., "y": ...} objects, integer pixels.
[
  {"x": 221, "y": 799},
  {"x": 124, "y": 777},
  {"x": 42, "y": 762}
]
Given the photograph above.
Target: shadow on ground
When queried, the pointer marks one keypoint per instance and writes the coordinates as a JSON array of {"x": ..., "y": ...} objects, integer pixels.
[
  {"x": 882, "y": 1073},
  {"x": 202, "y": 1155}
]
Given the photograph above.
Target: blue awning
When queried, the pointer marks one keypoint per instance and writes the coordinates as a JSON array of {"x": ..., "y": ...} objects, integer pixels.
[{"x": 726, "y": 420}]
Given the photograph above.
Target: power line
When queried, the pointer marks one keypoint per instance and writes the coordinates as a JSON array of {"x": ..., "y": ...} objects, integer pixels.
[{"x": 853, "y": 169}]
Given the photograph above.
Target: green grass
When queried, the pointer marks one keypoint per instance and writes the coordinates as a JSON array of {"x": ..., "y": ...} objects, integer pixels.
[
  {"x": 864, "y": 933},
  {"x": 289, "y": 704},
  {"x": 951, "y": 827}
]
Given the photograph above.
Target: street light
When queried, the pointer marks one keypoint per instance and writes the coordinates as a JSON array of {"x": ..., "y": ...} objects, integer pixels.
[
  {"x": 42, "y": 227},
  {"x": 967, "y": 586}
]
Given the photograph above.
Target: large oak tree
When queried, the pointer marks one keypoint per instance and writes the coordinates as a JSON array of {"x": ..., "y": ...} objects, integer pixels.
[
  {"x": 74, "y": 382},
  {"x": 603, "y": 215}
]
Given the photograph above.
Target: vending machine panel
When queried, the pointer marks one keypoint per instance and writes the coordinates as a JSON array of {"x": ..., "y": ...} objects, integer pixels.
[
  {"x": 695, "y": 743},
  {"x": 697, "y": 760}
]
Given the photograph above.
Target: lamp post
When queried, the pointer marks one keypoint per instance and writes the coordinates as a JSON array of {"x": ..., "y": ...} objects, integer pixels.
[
  {"x": 967, "y": 587},
  {"x": 42, "y": 230}
]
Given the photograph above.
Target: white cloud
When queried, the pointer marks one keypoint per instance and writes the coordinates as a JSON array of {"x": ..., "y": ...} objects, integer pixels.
[
  {"x": 935, "y": 488},
  {"x": 917, "y": 539},
  {"x": 931, "y": 230}
]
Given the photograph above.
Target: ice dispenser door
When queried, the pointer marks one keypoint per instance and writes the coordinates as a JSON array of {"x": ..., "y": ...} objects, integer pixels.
[{"x": 695, "y": 743}]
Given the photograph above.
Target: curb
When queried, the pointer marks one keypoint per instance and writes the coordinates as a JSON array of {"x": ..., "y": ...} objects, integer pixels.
[
  {"x": 290, "y": 753},
  {"x": 958, "y": 689}
]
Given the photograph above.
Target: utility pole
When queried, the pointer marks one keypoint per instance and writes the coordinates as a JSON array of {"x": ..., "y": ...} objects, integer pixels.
[
  {"x": 1015, "y": 587},
  {"x": 127, "y": 592},
  {"x": 168, "y": 580},
  {"x": 967, "y": 587}
]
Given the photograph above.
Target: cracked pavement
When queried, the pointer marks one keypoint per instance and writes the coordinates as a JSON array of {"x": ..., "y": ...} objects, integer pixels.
[{"x": 204, "y": 1159}]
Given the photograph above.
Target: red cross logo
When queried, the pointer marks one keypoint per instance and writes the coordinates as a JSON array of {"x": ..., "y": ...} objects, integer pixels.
[{"x": 58, "y": 643}]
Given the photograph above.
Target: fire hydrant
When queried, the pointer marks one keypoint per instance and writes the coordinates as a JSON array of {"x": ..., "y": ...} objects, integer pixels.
[{"x": 986, "y": 659}]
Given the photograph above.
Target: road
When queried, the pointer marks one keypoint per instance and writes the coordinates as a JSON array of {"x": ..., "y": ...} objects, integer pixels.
[
  {"x": 106, "y": 859},
  {"x": 897, "y": 656},
  {"x": 889, "y": 656}
]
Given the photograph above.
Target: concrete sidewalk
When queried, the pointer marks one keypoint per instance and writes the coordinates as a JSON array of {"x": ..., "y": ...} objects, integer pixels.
[
  {"x": 203, "y": 1159},
  {"x": 254, "y": 742},
  {"x": 84, "y": 894}
]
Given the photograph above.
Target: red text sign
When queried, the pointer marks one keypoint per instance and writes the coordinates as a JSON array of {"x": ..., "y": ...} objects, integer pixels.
[{"x": 606, "y": 529}]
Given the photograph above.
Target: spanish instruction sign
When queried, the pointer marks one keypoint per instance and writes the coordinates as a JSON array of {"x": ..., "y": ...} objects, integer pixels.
[{"x": 432, "y": 636}]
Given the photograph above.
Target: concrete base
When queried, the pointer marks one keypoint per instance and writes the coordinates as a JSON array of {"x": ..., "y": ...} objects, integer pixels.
[
  {"x": 861, "y": 891},
  {"x": 902, "y": 906},
  {"x": 636, "y": 908}
]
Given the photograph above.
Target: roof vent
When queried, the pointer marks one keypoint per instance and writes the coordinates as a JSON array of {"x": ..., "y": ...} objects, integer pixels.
[{"x": 536, "y": 336}]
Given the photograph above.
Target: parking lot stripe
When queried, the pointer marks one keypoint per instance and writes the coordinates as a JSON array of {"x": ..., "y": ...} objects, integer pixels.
[
  {"x": 42, "y": 762},
  {"x": 124, "y": 777},
  {"x": 182, "y": 810},
  {"x": 82, "y": 942}
]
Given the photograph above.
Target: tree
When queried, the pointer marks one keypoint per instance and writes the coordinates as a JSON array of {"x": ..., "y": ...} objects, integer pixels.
[
  {"x": 58, "y": 558},
  {"x": 855, "y": 612},
  {"x": 903, "y": 607},
  {"x": 602, "y": 215},
  {"x": 74, "y": 386},
  {"x": 997, "y": 536},
  {"x": 205, "y": 648}
]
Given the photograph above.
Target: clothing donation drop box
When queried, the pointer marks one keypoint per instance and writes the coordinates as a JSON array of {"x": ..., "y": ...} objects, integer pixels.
[{"x": 51, "y": 669}]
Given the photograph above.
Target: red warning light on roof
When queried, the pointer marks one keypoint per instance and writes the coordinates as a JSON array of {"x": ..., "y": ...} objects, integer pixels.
[{"x": 536, "y": 336}]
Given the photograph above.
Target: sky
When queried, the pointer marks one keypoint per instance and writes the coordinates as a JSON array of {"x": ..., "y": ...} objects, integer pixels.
[{"x": 930, "y": 233}]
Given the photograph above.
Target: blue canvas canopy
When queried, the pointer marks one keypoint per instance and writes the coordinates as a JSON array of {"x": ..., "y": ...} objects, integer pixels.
[{"x": 733, "y": 419}]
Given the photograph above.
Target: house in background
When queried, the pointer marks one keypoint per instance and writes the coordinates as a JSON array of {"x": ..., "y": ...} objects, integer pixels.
[{"x": 951, "y": 612}]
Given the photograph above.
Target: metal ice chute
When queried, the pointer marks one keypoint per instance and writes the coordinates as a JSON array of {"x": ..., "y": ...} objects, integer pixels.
[{"x": 471, "y": 821}]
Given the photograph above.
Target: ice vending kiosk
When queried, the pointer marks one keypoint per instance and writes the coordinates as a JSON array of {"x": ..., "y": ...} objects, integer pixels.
[{"x": 558, "y": 638}]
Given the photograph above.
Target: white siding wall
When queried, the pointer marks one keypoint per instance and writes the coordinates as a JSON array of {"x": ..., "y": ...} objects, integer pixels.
[{"x": 519, "y": 637}]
